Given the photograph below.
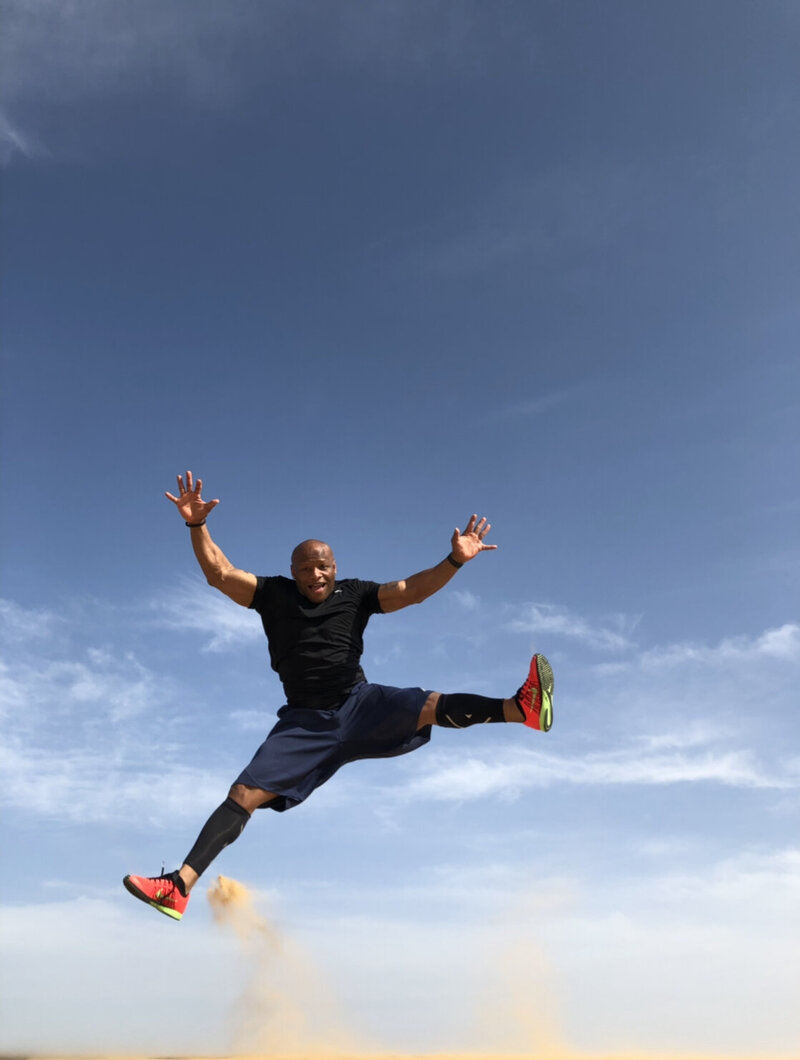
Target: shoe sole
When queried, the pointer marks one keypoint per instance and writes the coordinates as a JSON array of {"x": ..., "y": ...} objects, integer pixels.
[
  {"x": 545, "y": 672},
  {"x": 131, "y": 887}
]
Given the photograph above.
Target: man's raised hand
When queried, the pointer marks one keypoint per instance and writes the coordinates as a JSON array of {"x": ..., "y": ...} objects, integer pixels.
[
  {"x": 190, "y": 504},
  {"x": 466, "y": 546}
]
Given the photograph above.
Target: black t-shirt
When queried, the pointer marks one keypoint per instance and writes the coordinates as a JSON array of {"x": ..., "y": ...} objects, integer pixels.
[{"x": 316, "y": 648}]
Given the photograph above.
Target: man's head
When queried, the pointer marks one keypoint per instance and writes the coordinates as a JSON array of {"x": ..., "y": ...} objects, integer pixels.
[{"x": 314, "y": 570}]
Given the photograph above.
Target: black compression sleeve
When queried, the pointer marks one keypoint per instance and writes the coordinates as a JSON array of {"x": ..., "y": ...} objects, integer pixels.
[
  {"x": 458, "y": 710},
  {"x": 224, "y": 825}
]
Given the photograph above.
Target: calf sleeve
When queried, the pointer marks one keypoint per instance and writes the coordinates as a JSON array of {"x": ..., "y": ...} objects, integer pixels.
[
  {"x": 458, "y": 710},
  {"x": 224, "y": 825}
]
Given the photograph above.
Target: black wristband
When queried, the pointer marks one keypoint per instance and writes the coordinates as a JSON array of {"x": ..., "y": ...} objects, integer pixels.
[
  {"x": 455, "y": 562},
  {"x": 196, "y": 524}
]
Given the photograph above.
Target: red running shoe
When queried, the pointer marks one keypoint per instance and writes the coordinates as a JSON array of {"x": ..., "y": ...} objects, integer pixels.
[
  {"x": 535, "y": 698},
  {"x": 162, "y": 892}
]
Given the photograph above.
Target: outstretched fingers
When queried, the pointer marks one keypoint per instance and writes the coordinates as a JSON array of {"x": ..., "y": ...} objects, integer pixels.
[
  {"x": 189, "y": 499},
  {"x": 479, "y": 528},
  {"x": 467, "y": 545}
]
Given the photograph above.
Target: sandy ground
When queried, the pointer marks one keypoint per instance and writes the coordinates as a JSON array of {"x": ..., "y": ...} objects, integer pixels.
[{"x": 316, "y": 1055}]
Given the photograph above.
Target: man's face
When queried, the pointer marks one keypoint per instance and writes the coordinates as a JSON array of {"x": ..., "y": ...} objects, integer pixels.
[{"x": 314, "y": 570}]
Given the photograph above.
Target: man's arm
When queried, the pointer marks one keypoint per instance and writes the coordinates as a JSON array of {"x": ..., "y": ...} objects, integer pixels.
[
  {"x": 392, "y": 596},
  {"x": 238, "y": 584}
]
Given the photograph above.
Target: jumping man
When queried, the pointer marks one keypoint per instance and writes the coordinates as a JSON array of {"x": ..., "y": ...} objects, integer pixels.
[{"x": 314, "y": 625}]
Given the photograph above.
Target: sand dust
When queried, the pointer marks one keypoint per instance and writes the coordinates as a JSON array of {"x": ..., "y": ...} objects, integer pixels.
[
  {"x": 519, "y": 1011},
  {"x": 286, "y": 1009},
  {"x": 518, "y": 1015}
]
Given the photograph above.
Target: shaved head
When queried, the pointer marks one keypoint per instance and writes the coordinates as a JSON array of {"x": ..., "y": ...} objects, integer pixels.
[
  {"x": 312, "y": 547},
  {"x": 314, "y": 569}
]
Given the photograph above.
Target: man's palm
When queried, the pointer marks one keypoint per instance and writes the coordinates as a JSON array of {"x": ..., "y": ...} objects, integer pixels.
[
  {"x": 467, "y": 545},
  {"x": 190, "y": 503}
]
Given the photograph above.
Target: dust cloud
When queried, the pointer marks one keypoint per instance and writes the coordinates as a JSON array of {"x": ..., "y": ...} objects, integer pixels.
[
  {"x": 286, "y": 1009},
  {"x": 519, "y": 1010},
  {"x": 287, "y": 1013}
]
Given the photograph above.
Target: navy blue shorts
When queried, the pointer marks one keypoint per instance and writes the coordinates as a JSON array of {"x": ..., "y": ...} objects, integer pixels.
[{"x": 306, "y": 747}]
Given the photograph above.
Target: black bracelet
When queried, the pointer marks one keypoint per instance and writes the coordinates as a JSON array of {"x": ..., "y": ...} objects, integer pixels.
[
  {"x": 455, "y": 562},
  {"x": 196, "y": 524}
]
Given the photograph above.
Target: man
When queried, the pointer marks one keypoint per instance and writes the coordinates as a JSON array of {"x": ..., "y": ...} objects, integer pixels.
[{"x": 314, "y": 625}]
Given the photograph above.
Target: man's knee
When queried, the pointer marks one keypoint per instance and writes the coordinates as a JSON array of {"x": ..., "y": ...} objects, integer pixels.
[
  {"x": 427, "y": 716},
  {"x": 249, "y": 798}
]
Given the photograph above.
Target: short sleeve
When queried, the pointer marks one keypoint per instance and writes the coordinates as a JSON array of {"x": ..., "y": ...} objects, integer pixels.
[{"x": 257, "y": 603}]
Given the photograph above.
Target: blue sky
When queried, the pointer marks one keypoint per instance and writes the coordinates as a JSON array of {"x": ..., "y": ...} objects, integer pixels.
[{"x": 367, "y": 268}]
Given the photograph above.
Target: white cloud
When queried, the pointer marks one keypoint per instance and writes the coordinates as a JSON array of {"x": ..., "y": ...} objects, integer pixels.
[
  {"x": 15, "y": 143},
  {"x": 24, "y": 623},
  {"x": 558, "y": 621},
  {"x": 107, "y": 784},
  {"x": 193, "y": 607},
  {"x": 39, "y": 689},
  {"x": 453, "y": 777},
  {"x": 466, "y": 600},
  {"x": 694, "y": 734},
  {"x": 95, "y": 727},
  {"x": 780, "y": 644},
  {"x": 57, "y": 54},
  {"x": 63, "y": 50},
  {"x": 66, "y": 50},
  {"x": 90, "y": 958}
]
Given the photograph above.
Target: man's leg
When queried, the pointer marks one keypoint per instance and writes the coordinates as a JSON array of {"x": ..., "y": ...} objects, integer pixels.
[
  {"x": 169, "y": 894},
  {"x": 223, "y": 827},
  {"x": 532, "y": 704}
]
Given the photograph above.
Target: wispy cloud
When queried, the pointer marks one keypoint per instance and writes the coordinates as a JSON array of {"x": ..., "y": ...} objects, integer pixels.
[
  {"x": 536, "y": 405},
  {"x": 103, "y": 783},
  {"x": 193, "y": 607},
  {"x": 778, "y": 645},
  {"x": 14, "y": 143},
  {"x": 611, "y": 635},
  {"x": 465, "y": 599},
  {"x": 782, "y": 643},
  {"x": 115, "y": 686},
  {"x": 65, "y": 51},
  {"x": 540, "y": 219},
  {"x": 86, "y": 720},
  {"x": 82, "y": 717},
  {"x": 54, "y": 52},
  {"x": 458, "y": 778},
  {"x": 57, "y": 52},
  {"x": 24, "y": 623}
]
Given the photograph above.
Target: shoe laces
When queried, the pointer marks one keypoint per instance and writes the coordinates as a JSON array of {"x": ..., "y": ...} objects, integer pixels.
[
  {"x": 167, "y": 877},
  {"x": 527, "y": 694},
  {"x": 525, "y": 687}
]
